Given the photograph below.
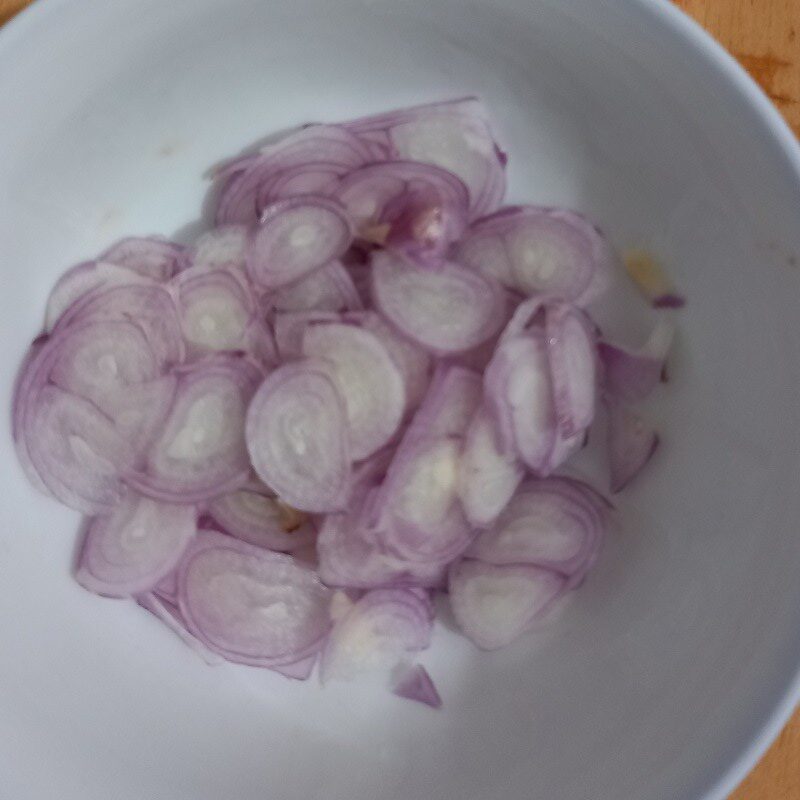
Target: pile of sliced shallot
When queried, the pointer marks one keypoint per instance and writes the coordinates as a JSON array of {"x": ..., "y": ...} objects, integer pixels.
[{"x": 351, "y": 395}]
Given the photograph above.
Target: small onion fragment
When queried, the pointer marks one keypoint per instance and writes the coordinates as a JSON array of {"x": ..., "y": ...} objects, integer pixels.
[
  {"x": 539, "y": 251},
  {"x": 632, "y": 442},
  {"x": 133, "y": 548},
  {"x": 651, "y": 280},
  {"x": 495, "y": 605},
  {"x": 297, "y": 437},
  {"x": 417, "y": 685},
  {"x": 382, "y": 628},
  {"x": 630, "y": 375}
]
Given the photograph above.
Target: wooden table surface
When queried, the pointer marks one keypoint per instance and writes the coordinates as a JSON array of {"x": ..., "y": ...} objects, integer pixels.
[{"x": 765, "y": 36}]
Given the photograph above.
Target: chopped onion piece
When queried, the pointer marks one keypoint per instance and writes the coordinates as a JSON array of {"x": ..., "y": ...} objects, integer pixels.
[
  {"x": 417, "y": 685},
  {"x": 651, "y": 280}
]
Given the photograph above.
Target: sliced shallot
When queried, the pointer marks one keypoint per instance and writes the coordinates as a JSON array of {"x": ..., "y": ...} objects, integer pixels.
[
  {"x": 295, "y": 237},
  {"x": 416, "y": 684},
  {"x": 297, "y": 437},
  {"x": 379, "y": 630},
  {"x": 446, "y": 310},
  {"x": 495, "y": 605},
  {"x": 133, "y": 548},
  {"x": 632, "y": 441}
]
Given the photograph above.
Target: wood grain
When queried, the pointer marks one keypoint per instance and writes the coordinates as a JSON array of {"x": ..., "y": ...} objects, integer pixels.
[{"x": 765, "y": 36}]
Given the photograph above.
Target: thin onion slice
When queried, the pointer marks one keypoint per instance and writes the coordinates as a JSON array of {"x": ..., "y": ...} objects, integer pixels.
[
  {"x": 447, "y": 310},
  {"x": 76, "y": 451},
  {"x": 200, "y": 451},
  {"x": 368, "y": 381},
  {"x": 539, "y": 251},
  {"x": 297, "y": 437},
  {"x": 223, "y": 247},
  {"x": 495, "y": 605},
  {"x": 82, "y": 279},
  {"x": 152, "y": 257},
  {"x": 248, "y": 180},
  {"x": 573, "y": 367},
  {"x": 133, "y": 548},
  {"x": 329, "y": 288},
  {"x": 250, "y": 605},
  {"x": 453, "y": 135},
  {"x": 378, "y": 631},
  {"x": 214, "y": 308},
  {"x": 295, "y": 237},
  {"x": 553, "y": 523}
]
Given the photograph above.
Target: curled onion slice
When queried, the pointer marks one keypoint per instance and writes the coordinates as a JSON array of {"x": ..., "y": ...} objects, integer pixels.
[
  {"x": 378, "y": 631},
  {"x": 295, "y": 237},
  {"x": 446, "y": 310},
  {"x": 297, "y": 437},
  {"x": 130, "y": 550},
  {"x": 495, "y": 605},
  {"x": 254, "y": 515}
]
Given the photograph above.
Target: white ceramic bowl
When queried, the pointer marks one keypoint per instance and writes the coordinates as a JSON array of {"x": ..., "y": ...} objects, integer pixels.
[{"x": 678, "y": 661}]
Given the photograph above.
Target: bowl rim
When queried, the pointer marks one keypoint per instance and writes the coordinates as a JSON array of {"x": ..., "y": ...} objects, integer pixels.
[{"x": 771, "y": 720}]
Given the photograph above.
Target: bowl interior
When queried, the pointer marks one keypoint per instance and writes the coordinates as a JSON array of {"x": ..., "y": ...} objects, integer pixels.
[{"x": 672, "y": 657}]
